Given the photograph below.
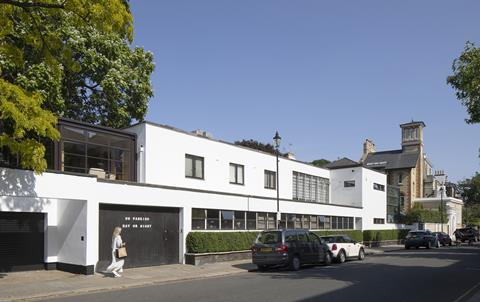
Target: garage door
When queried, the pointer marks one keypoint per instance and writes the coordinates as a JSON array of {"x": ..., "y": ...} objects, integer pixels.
[
  {"x": 151, "y": 234},
  {"x": 21, "y": 241}
]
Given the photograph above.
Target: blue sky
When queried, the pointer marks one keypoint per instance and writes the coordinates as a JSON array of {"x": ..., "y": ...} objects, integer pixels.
[{"x": 325, "y": 74}]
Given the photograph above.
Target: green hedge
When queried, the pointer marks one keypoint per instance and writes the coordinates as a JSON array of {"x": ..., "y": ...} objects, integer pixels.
[
  {"x": 209, "y": 242},
  {"x": 380, "y": 235},
  {"x": 356, "y": 235}
]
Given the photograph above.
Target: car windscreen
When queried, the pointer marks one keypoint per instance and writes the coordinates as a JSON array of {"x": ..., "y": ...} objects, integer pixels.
[
  {"x": 329, "y": 239},
  {"x": 272, "y": 237}
]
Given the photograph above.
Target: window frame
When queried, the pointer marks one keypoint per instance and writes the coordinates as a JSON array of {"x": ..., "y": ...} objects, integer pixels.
[
  {"x": 378, "y": 220},
  {"x": 194, "y": 158},
  {"x": 378, "y": 187},
  {"x": 236, "y": 167},
  {"x": 349, "y": 184},
  {"x": 270, "y": 173}
]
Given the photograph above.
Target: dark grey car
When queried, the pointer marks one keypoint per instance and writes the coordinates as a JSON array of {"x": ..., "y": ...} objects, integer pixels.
[{"x": 290, "y": 248}]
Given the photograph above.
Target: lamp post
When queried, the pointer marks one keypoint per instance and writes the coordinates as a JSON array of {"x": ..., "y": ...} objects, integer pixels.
[
  {"x": 465, "y": 199},
  {"x": 441, "y": 206},
  {"x": 443, "y": 179},
  {"x": 276, "y": 141}
]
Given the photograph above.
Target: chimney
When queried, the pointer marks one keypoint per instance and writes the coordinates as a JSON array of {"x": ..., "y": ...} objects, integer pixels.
[
  {"x": 290, "y": 155},
  {"x": 202, "y": 133},
  {"x": 368, "y": 147}
]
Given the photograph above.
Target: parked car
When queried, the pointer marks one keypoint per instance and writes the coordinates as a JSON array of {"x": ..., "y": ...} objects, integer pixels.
[
  {"x": 421, "y": 238},
  {"x": 467, "y": 234},
  {"x": 443, "y": 238},
  {"x": 343, "y": 248},
  {"x": 290, "y": 248}
]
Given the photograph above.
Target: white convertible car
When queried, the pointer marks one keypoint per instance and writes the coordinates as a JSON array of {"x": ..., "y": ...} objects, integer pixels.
[{"x": 343, "y": 248}]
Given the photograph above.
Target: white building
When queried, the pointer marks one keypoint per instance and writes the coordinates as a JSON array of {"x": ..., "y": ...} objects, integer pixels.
[{"x": 159, "y": 184}]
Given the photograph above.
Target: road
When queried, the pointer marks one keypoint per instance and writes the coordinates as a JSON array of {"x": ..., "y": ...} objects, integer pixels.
[{"x": 446, "y": 274}]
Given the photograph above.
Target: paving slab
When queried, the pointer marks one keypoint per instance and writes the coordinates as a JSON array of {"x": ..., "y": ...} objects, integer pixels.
[{"x": 44, "y": 284}]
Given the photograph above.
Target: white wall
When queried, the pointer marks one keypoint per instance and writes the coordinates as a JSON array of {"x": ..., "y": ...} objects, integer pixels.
[
  {"x": 374, "y": 201},
  {"x": 340, "y": 194}
]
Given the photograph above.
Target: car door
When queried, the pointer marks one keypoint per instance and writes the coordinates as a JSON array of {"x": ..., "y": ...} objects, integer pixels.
[
  {"x": 304, "y": 247},
  {"x": 353, "y": 247},
  {"x": 316, "y": 247}
]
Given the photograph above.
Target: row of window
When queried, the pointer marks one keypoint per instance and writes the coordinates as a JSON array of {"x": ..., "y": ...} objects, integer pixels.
[
  {"x": 351, "y": 183},
  {"x": 310, "y": 188},
  {"x": 211, "y": 219}
]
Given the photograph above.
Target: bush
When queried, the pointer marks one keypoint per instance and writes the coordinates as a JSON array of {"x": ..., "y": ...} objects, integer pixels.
[
  {"x": 210, "y": 242},
  {"x": 356, "y": 235},
  {"x": 380, "y": 235}
]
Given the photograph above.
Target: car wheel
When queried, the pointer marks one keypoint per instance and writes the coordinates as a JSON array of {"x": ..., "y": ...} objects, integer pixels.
[
  {"x": 294, "y": 264},
  {"x": 417, "y": 247},
  {"x": 361, "y": 254},
  {"x": 429, "y": 245},
  {"x": 407, "y": 247},
  {"x": 341, "y": 257},
  {"x": 450, "y": 244},
  {"x": 327, "y": 260}
]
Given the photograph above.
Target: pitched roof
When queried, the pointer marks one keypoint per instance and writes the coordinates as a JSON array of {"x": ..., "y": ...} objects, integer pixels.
[
  {"x": 342, "y": 163},
  {"x": 394, "y": 159}
]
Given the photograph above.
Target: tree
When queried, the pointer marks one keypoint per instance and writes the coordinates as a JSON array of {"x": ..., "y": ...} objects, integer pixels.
[
  {"x": 73, "y": 59},
  {"x": 256, "y": 145},
  {"x": 321, "y": 162},
  {"x": 466, "y": 81},
  {"x": 470, "y": 191}
]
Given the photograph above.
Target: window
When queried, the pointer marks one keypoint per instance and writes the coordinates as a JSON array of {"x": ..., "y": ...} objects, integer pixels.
[
  {"x": 213, "y": 219},
  {"x": 262, "y": 221},
  {"x": 349, "y": 183},
  {"x": 271, "y": 221},
  {"x": 270, "y": 180},
  {"x": 251, "y": 220},
  {"x": 313, "y": 222},
  {"x": 227, "y": 220},
  {"x": 236, "y": 174},
  {"x": 239, "y": 220},
  {"x": 302, "y": 236},
  {"x": 198, "y": 219},
  {"x": 106, "y": 155},
  {"x": 309, "y": 188},
  {"x": 378, "y": 187},
  {"x": 290, "y": 236},
  {"x": 306, "y": 221},
  {"x": 193, "y": 166},
  {"x": 400, "y": 178},
  {"x": 378, "y": 220}
]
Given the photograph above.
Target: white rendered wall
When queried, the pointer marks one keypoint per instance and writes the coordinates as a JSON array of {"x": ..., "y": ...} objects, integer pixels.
[
  {"x": 374, "y": 201},
  {"x": 351, "y": 196}
]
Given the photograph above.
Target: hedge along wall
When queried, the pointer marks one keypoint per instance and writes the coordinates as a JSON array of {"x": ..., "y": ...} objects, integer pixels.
[
  {"x": 210, "y": 242},
  {"x": 381, "y": 235},
  {"x": 356, "y": 235}
]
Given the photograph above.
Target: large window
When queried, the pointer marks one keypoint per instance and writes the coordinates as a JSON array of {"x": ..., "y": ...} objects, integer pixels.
[
  {"x": 270, "y": 180},
  {"x": 378, "y": 187},
  {"x": 107, "y": 155},
  {"x": 310, "y": 188},
  {"x": 210, "y": 219},
  {"x": 237, "y": 174},
  {"x": 194, "y": 166}
]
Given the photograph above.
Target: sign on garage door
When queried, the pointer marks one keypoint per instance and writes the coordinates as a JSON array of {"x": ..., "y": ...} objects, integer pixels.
[{"x": 151, "y": 234}]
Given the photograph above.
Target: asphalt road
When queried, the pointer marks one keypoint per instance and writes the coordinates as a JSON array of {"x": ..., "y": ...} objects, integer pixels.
[{"x": 445, "y": 274}]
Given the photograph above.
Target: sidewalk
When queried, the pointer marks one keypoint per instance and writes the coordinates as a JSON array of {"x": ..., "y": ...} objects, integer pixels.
[
  {"x": 383, "y": 249},
  {"x": 48, "y": 284}
]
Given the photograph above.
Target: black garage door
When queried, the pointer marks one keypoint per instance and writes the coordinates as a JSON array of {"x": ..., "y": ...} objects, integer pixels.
[
  {"x": 151, "y": 234},
  {"x": 21, "y": 241}
]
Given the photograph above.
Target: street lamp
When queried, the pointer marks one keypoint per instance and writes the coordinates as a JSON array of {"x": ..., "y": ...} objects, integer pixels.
[
  {"x": 441, "y": 205},
  {"x": 465, "y": 199},
  {"x": 276, "y": 142}
]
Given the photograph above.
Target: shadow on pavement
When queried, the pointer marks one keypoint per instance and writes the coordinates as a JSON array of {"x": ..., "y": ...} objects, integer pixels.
[
  {"x": 366, "y": 280},
  {"x": 3, "y": 275}
]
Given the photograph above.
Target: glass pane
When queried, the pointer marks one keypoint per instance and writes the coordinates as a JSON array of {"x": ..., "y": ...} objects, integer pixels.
[
  {"x": 313, "y": 222},
  {"x": 232, "y": 174},
  {"x": 290, "y": 221},
  {"x": 188, "y": 167},
  {"x": 271, "y": 219},
  {"x": 240, "y": 220},
  {"x": 262, "y": 221},
  {"x": 240, "y": 174},
  {"x": 199, "y": 168},
  {"x": 73, "y": 133},
  {"x": 97, "y": 163},
  {"x": 198, "y": 224},
  {"x": 269, "y": 237},
  {"x": 74, "y": 161},
  {"x": 321, "y": 222},
  {"x": 121, "y": 142},
  {"x": 74, "y": 148},
  {"x": 198, "y": 213},
  {"x": 251, "y": 220},
  {"x": 117, "y": 154},
  {"x": 298, "y": 222},
  {"x": 227, "y": 220},
  {"x": 98, "y": 138},
  {"x": 327, "y": 222},
  {"x": 306, "y": 222},
  {"x": 97, "y": 151},
  {"x": 75, "y": 170},
  {"x": 119, "y": 170},
  {"x": 213, "y": 219}
]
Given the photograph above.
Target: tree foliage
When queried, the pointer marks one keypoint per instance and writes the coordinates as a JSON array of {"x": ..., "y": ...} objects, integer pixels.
[
  {"x": 256, "y": 145},
  {"x": 419, "y": 214},
  {"x": 72, "y": 58},
  {"x": 466, "y": 81},
  {"x": 321, "y": 162},
  {"x": 470, "y": 191}
]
